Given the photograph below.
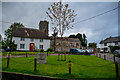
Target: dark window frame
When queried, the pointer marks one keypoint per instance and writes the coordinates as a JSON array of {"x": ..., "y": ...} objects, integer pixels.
[
  {"x": 116, "y": 43},
  {"x": 40, "y": 46},
  {"x": 105, "y": 44},
  {"x": 22, "y": 39},
  {"x": 22, "y": 46},
  {"x": 32, "y": 39},
  {"x": 41, "y": 40}
]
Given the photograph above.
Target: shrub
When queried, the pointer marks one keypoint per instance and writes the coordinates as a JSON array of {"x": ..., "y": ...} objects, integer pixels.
[
  {"x": 13, "y": 46},
  {"x": 36, "y": 49},
  {"x": 42, "y": 50},
  {"x": 49, "y": 50},
  {"x": 114, "y": 48},
  {"x": 56, "y": 52}
]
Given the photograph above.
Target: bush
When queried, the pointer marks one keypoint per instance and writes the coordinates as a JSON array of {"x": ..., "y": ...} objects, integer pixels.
[
  {"x": 13, "y": 47},
  {"x": 56, "y": 52},
  {"x": 49, "y": 50},
  {"x": 36, "y": 49},
  {"x": 114, "y": 48},
  {"x": 42, "y": 50}
]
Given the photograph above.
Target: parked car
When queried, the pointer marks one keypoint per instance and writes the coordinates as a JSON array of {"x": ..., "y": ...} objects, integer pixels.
[
  {"x": 76, "y": 51},
  {"x": 117, "y": 53},
  {"x": 90, "y": 51},
  {"x": 83, "y": 51}
]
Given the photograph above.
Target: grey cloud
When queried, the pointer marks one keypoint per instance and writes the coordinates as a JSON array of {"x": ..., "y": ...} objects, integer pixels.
[{"x": 96, "y": 29}]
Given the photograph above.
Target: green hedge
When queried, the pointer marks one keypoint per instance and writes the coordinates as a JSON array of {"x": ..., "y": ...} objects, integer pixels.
[
  {"x": 49, "y": 50},
  {"x": 114, "y": 48}
]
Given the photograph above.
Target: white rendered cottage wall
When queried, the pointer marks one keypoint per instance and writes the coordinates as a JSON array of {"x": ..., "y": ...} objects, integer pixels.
[
  {"x": 108, "y": 44},
  {"x": 45, "y": 43},
  {"x": 101, "y": 47}
]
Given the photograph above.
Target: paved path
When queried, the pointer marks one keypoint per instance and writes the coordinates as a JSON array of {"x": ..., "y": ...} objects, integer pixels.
[
  {"x": 108, "y": 56},
  {"x": 24, "y": 55}
]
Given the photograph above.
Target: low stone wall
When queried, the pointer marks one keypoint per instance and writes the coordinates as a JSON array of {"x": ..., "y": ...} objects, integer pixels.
[{"x": 108, "y": 57}]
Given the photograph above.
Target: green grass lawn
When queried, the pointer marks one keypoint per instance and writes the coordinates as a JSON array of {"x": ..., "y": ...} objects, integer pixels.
[{"x": 82, "y": 67}]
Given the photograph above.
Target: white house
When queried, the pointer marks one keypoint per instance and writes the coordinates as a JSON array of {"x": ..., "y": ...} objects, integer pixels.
[
  {"x": 27, "y": 39},
  {"x": 106, "y": 44}
]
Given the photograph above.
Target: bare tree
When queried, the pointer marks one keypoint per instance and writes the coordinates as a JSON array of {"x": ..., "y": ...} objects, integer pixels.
[
  {"x": 55, "y": 33},
  {"x": 61, "y": 18}
]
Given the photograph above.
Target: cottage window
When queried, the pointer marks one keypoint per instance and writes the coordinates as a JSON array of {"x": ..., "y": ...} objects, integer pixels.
[
  {"x": 22, "y": 39},
  {"x": 40, "y": 46},
  {"x": 77, "y": 44},
  {"x": 22, "y": 46},
  {"x": 105, "y": 44},
  {"x": 71, "y": 44},
  {"x": 32, "y": 39},
  {"x": 41, "y": 40},
  {"x": 116, "y": 43}
]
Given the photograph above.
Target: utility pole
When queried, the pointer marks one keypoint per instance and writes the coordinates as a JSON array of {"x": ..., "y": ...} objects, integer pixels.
[{"x": 119, "y": 20}]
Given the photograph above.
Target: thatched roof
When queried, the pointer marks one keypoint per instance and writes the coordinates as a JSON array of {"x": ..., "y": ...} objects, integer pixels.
[{"x": 29, "y": 33}]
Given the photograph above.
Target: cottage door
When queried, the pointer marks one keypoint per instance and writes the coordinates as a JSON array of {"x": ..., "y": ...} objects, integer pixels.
[{"x": 31, "y": 47}]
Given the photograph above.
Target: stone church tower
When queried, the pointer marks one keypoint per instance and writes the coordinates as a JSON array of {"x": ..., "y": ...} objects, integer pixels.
[{"x": 43, "y": 27}]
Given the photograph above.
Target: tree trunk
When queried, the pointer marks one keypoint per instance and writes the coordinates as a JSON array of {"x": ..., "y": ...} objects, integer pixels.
[
  {"x": 61, "y": 44},
  {"x": 54, "y": 44}
]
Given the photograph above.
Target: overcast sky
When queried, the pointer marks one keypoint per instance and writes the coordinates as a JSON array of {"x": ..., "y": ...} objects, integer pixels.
[{"x": 30, "y": 13}]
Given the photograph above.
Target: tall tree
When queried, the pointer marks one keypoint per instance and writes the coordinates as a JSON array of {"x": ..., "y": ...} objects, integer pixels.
[
  {"x": 6, "y": 43},
  {"x": 8, "y": 32},
  {"x": 84, "y": 40},
  {"x": 72, "y": 36},
  {"x": 93, "y": 45},
  {"x": 79, "y": 36},
  {"x": 61, "y": 17},
  {"x": 55, "y": 33}
]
